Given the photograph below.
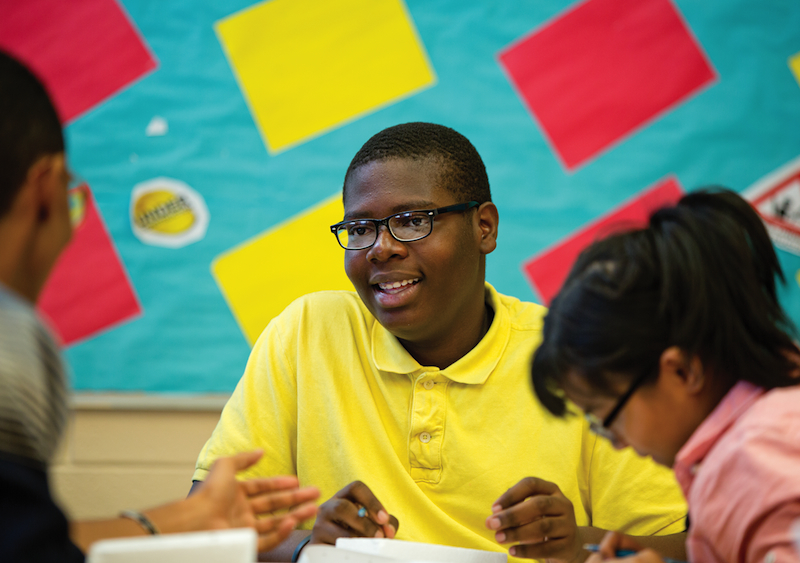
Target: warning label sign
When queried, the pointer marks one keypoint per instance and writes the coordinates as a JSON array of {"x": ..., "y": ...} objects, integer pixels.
[{"x": 777, "y": 199}]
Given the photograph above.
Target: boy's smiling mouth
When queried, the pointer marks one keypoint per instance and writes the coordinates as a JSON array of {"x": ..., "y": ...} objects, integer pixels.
[{"x": 396, "y": 287}]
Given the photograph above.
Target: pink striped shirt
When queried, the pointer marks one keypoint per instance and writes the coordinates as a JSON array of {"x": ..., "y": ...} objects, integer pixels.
[{"x": 740, "y": 473}]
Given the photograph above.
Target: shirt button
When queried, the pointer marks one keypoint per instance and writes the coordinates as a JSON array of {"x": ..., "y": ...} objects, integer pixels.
[
  {"x": 428, "y": 385},
  {"x": 425, "y": 437}
]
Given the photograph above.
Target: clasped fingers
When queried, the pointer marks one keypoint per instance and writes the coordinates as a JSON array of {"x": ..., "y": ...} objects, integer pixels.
[
  {"x": 530, "y": 510},
  {"x": 353, "y": 512}
]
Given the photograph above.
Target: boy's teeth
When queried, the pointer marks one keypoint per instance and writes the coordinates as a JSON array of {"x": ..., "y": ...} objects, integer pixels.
[{"x": 397, "y": 284}]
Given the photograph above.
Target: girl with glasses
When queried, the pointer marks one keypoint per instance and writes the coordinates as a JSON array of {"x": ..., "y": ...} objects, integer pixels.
[{"x": 671, "y": 340}]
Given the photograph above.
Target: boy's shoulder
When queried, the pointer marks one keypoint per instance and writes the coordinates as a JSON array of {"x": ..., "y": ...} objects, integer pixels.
[
  {"x": 321, "y": 308},
  {"x": 19, "y": 323},
  {"x": 524, "y": 315},
  {"x": 328, "y": 299},
  {"x": 15, "y": 307}
]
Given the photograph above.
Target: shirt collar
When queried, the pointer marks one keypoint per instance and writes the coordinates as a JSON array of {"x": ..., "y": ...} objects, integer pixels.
[
  {"x": 726, "y": 413},
  {"x": 474, "y": 368}
]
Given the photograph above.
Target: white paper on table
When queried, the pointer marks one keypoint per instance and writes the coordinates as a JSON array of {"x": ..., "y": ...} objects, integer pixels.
[
  {"x": 219, "y": 546},
  {"x": 415, "y": 551},
  {"x": 330, "y": 554}
]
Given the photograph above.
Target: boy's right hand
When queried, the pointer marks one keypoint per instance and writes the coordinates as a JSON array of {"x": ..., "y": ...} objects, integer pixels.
[{"x": 339, "y": 517}]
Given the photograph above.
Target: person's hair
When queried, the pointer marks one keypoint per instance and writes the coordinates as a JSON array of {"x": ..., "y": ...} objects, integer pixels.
[
  {"x": 29, "y": 127},
  {"x": 700, "y": 276},
  {"x": 462, "y": 171}
]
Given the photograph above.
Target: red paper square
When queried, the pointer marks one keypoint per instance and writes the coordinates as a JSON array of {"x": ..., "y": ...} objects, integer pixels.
[
  {"x": 604, "y": 68},
  {"x": 547, "y": 270},
  {"x": 83, "y": 50},
  {"x": 88, "y": 290}
]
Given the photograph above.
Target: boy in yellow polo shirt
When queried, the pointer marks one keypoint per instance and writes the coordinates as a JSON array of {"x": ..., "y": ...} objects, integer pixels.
[{"x": 408, "y": 402}]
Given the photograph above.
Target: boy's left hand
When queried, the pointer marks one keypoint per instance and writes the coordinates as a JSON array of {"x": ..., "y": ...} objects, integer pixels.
[{"x": 536, "y": 516}]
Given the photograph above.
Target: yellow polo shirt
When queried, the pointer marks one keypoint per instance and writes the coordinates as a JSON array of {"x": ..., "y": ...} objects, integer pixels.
[{"x": 332, "y": 397}]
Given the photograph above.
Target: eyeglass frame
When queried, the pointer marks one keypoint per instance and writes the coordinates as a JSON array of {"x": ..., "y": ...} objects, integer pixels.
[
  {"x": 432, "y": 213},
  {"x": 601, "y": 427}
]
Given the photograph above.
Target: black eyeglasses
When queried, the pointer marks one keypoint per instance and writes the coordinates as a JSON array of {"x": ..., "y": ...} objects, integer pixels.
[
  {"x": 601, "y": 427},
  {"x": 406, "y": 226}
]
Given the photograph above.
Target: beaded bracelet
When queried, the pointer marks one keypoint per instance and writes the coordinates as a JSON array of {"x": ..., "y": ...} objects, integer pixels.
[{"x": 140, "y": 519}]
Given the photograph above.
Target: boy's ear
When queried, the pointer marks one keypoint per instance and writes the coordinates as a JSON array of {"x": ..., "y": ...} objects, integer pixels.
[
  {"x": 54, "y": 184},
  {"x": 682, "y": 369},
  {"x": 488, "y": 220},
  {"x": 43, "y": 185}
]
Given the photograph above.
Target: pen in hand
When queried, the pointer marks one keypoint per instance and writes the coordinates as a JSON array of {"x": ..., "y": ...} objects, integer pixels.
[{"x": 593, "y": 547}]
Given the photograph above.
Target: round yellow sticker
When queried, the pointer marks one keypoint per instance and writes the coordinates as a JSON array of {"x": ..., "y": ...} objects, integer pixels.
[
  {"x": 163, "y": 211},
  {"x": 167, "y": 212}
]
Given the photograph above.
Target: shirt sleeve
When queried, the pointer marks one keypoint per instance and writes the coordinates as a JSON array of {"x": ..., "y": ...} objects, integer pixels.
[
  {"x": 33, "y": 406},
  {"x": 632, "y": 494},
  {"x": 772, "y": 541},
  {"x": 262, "y": 412},
  {"x": 32, "y": 414},
  {"x": 747, "y": 494}
]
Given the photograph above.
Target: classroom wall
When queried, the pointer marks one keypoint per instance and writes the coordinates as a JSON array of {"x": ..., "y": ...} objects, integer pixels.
[
  {"x": 213, "y": 138},
  {"x": 128, "y": 457}
]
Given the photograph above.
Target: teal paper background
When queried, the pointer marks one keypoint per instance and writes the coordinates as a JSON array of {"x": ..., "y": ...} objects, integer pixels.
[{"x": 732, "y": 133}]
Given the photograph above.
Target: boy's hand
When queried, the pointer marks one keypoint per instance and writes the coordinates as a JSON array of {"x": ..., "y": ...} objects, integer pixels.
[
  {"x": 535, "y": 515},
  {"x": 353, "y": 512}
]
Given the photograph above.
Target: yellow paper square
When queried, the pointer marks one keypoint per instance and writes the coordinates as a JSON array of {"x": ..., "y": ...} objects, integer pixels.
[
  {"x": 794, "y": 64},
  {"x": 260, "y": 277},
  {"x": 308, "y": 66}
]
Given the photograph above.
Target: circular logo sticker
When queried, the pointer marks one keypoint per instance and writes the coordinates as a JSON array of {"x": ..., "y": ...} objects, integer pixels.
[{"x": 167, "y": 212}]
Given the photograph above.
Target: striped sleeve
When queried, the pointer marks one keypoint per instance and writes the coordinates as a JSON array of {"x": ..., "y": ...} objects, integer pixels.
[{"x": 33, "y": 407}]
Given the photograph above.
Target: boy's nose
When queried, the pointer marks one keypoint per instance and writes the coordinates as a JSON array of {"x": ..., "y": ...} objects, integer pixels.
[{"x": 385, "y": 245}]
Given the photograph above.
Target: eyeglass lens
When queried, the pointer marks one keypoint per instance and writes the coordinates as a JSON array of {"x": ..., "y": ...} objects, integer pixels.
[
  {"x": 404, "y": 226},
  {"x": 596, "y": 427}
]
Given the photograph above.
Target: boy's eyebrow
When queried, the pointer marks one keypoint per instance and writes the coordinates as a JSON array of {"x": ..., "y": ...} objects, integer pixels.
[{"x": 405, "y": 206}]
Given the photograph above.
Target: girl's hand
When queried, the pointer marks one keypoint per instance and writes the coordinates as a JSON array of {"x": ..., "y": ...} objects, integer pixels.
[{"x": 614, "y": 542}]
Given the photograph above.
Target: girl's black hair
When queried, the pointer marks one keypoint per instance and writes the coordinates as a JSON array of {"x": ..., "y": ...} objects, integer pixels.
[{"x": 700, "y": 276}]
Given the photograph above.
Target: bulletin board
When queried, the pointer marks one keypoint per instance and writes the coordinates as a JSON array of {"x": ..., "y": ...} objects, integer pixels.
[{"x": 212, "y": 137}]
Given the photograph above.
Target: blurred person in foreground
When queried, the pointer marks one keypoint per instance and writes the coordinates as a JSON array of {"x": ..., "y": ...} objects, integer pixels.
[
  {"x": 673, "y": 343},
  {"x": 34, "y": 229}
]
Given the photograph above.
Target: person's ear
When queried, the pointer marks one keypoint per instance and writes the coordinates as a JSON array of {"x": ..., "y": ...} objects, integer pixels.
[
  {"x": 44, "y": 185},
  {"x": 488, "y": 220},
  {"x": 683, "y": 370},
  {"x": 53, "y": 187}
]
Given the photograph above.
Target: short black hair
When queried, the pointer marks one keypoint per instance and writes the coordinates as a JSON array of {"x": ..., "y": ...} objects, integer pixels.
[
  {"x": 701, "y": 276},
  {"x": 462, "y": 170},
  {"x": 29, "y": 126}
]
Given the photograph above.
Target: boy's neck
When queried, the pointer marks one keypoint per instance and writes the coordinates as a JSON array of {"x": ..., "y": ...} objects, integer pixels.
[{"x": 447, "y": 350}]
